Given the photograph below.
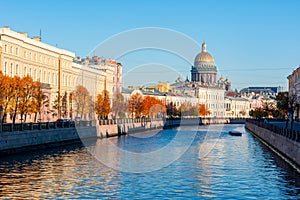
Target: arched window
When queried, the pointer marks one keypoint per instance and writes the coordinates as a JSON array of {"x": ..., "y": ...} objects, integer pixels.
[
  {"x": 40, "y": 75},
  {"x": 49, "y": 78},
  {"x": 25, "y": 71},
  {"x": 11, "y": 69},
  {"x": 5, "y": 68},
  {"x": 44, "y": 76},
  {"x": 5, "y": 48},
  {"x": 35, "y": 74},
  {"x": 67, "y": 80},
  {"x": 17, "y": 69},
  {"x": 30, "y": 74}
]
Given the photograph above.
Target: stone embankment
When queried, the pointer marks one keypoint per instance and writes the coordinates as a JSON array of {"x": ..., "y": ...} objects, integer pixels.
[
  {"x": 283, "y": 141},
  {"x": 24, "y": 137}
]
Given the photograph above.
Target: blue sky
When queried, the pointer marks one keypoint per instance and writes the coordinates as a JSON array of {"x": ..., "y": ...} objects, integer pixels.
[{"x": 254, "y": 43}]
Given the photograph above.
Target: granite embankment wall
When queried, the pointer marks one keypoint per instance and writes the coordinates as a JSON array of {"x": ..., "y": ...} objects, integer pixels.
[
  {"x": 283, "y": 141},
  {"x": 24, "y": 137},
  {"x": 18, "y": 141},
  {"x": 111, "y": 130},
  {"x": 127, "y": 127}
]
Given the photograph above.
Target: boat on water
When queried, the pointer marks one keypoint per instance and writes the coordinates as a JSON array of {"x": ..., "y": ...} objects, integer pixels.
[{"x": 235, "y": 133}]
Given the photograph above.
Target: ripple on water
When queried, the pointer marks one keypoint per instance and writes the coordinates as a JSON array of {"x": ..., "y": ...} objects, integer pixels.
[{"x": 236, "y": 168}]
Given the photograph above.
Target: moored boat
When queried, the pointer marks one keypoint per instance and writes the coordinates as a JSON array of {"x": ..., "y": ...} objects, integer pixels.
[{"x": 235, "y": 133}]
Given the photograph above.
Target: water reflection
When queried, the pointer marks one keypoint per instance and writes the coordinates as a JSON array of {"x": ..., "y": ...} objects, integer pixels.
[{"x": 237, "y": 167}]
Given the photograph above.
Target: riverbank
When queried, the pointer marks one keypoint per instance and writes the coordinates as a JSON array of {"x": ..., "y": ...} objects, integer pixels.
[
  {"x": 282, "y": 141},
  {"x": 31, "y": 137}
]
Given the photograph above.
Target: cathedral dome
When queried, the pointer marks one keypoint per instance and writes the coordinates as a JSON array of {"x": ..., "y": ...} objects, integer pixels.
[{"x": 203, "y": 57}]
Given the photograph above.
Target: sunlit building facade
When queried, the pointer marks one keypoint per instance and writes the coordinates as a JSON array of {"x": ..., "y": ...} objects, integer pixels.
[{"x": 56, "y": 69}]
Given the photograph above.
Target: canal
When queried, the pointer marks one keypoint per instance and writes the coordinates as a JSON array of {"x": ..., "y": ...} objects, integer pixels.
[{"x": 205, "y": 163}]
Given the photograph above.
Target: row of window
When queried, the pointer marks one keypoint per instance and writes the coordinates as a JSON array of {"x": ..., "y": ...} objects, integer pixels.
[
  {"x": 37, "y": 74},
  {"x": 211, "y": 96},
  {"x": 34, "y": 56},
  {"x": 229, "y": 106}
]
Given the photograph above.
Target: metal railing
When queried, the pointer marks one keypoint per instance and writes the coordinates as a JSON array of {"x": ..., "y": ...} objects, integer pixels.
[
  {"x": 127, "y": 121},
  {"x": 7, "y": 127},
  {"x": 288, "y": 133}
]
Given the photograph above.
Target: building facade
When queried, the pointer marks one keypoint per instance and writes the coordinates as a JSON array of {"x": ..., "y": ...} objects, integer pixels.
[
  {"x": 237, "y": 107},
  {"x": 55, "y": 68}
]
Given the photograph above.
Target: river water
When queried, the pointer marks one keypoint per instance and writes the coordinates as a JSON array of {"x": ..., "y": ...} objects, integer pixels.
[{"x": 219, "y": 167}]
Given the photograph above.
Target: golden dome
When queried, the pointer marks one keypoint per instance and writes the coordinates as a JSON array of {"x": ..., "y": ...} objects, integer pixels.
[{"x": 203, "y": 56}]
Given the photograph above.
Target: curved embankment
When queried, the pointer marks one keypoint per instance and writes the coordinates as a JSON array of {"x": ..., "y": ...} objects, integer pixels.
[
  {"x": 285, "y": 143},
  {"x": 15, "y": 141}
]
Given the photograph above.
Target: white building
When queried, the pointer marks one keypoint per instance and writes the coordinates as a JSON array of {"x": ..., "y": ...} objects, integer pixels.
[{"x": 237, "y": 107}]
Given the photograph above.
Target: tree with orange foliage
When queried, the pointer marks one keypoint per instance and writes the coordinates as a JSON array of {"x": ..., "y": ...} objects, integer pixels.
[
  {"x": 17, "y": 94},
  {"x": 136, "y": 105},
  {"x": 152, "y": 106},
  {"x": 102, "y": 105},
  {"x": 119, "y": 107},
  {"x": 39, "y": 101},
  {"x": 6, "y": 94},
  {"x": 27, "y": 89},
  {"x": 81, "y": 97},
  {"x": 203, "y": 111}
]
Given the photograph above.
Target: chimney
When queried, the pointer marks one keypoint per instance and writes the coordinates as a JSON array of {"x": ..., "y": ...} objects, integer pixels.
[
  {"x": 7, "y": 27},
  {"x": 37, "y": 38}
]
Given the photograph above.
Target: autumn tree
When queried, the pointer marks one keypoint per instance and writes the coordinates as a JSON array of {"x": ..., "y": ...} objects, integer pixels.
[
  {"x": 102, "y": 105},
  {"x": 81, "y": 99},
  {"x": 203, "y": 110},
  {"x": 119, "y": 106},
  {"x": 17, "y": 95},
  {"x": 27, "y": 90},
  {"x": 6, "y": 94},
  {"x": 136, "y": 105},
  {"x": 152, "y": 106},
  {"x": 39, "y": 101}
]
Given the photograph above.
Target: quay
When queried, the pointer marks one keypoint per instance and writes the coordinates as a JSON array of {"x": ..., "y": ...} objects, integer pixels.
[
  {"x": 15, "y": 138},
  {"x": 284, "y": 142}
]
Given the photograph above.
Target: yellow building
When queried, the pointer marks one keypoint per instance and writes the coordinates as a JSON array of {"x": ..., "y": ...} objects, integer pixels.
[
  {"x": 162, "y": 87},
  {"x": 52, "y": 66}
]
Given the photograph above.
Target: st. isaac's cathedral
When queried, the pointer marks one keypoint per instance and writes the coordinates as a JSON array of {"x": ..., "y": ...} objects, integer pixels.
[
  {"x": 204, "y": 71},
  {"x": 204, "y": 84}
]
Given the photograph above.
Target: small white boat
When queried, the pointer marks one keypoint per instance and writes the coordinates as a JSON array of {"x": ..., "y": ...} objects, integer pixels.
[{"x": 235, "y": 133}]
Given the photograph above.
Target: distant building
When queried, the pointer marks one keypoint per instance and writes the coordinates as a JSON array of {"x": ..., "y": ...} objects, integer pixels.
[
  {"x": 294, "y": 87},
  {"x": 294, "y": 81},
  {"x": 261, "y": 90},
  {"x": 162, "y": 87},
  {"x": 237, "y": 107}
]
